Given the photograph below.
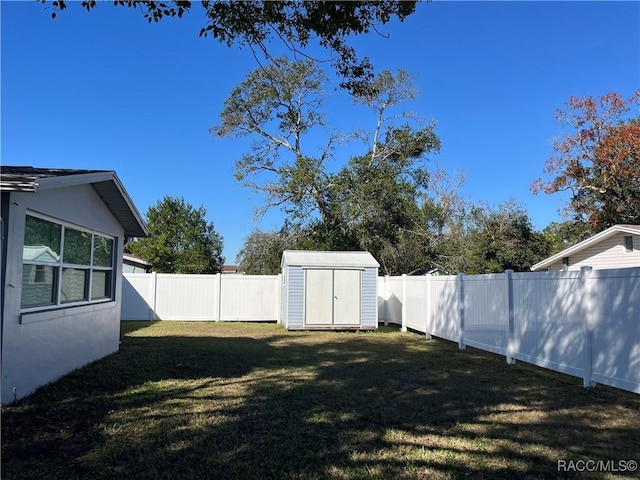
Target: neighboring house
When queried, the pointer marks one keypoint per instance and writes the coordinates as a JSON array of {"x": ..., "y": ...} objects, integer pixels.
[
  {"x": 229, "y": 269},
  {"x": 133, "y": 264},
  {"x": 62, "y": 237},
  {"x": 615, "y": 247}
]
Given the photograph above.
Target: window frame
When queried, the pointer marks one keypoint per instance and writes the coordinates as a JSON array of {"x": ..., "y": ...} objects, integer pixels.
[{"x": 60, "y": 266}]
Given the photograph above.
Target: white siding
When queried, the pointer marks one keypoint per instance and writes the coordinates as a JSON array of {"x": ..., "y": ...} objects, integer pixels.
[
  {"x": 370, "y": 298},
  {"x": 295, "y": 302},
  {"x": 606, "y": 254}
]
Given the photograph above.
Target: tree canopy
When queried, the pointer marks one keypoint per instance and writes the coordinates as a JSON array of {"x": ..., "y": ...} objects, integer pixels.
[
  {"x": 598, "y": 161},
  {"x": 503, "y": 238},
  {"x": 363, "y": 202},
  {"x": 180, "y": 239},
  {"x": 296, "y": 24}
]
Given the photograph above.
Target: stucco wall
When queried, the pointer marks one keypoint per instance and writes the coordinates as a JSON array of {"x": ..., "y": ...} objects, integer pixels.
[{"x": 40, "y": 347}]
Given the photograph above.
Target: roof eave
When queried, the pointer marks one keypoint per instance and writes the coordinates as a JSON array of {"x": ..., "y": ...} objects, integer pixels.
[{"x": 133, "y": 224}]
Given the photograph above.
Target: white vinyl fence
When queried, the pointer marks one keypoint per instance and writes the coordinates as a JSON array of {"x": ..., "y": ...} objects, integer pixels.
[
  {"x": 163, "y": 296},
  {"x": 584, "y": 323}
]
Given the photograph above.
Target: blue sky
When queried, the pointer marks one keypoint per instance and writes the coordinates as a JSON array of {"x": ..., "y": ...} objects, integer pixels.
[{"x": 107, "y": 90}]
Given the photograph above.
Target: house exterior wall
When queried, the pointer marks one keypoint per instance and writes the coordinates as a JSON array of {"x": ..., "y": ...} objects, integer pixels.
[
  {"x": 129, "y": 268},
  {"x": 40, "y": 347},
  {"x": 606, "y": 254}
]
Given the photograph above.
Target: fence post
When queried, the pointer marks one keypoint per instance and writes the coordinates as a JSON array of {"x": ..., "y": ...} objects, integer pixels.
[
  {"x": 154, "y": 288},
  {"x": 279, "y": 300},
  {"x": 510, "y": 318},
  {"x": 386, "y": 301},
  {"x": 404, "y": 303},
  {"x": 461, "y": 344},
  {"x": 219, "y": 296},
  {"x": 427, "y": 328},
  {"x": 587, "y": 324}
]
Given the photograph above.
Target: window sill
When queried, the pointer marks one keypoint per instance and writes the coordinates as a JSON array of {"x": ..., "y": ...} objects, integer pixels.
[{"x": 64, "y": 311}]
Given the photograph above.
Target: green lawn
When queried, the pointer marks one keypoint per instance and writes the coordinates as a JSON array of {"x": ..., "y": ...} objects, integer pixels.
[{"x": 239, "y": 400}]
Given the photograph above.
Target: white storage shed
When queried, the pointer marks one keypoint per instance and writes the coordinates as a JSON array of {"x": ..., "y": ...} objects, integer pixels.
[{"x": 329, "y": 290}]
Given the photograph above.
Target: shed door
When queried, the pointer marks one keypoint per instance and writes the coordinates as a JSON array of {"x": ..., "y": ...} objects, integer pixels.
[
  {"x": 346, "y": 297},
  {"x": 332, "y": 297},
  {"x": 318, "y": 302}
]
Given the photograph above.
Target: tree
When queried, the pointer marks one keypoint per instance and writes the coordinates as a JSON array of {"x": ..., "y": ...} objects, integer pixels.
[
  {"x": 296, "y": 24},
  {"x": 378, "y": 190},
  {"x": 444, "y": 216},
  {"x": 262, "y": 252},
  {"x": 277, "y": 105},
  {"x": 502, "y": 239},
  {"x": 561, "y": 235},
  {"x": 598, "y": 161},
  {"x": 180, "y": 239},
  {"x": 371, "y": 201}
]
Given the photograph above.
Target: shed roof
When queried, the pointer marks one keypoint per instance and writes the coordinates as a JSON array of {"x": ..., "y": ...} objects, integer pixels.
[
  {"x": 105, "y": 182},
  {"x": 310, "y": 258},
  {"x": 629, "y": 229}
]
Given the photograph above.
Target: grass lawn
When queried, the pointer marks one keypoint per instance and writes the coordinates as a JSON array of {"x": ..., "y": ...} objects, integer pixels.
[{"x": 239, "y": 400}]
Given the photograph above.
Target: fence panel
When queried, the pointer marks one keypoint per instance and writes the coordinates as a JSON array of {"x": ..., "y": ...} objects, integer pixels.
[
  {"x": 548, "y": 320},
  {"x": 200, "y": 297},
  {"x": 250, "y": 297},
  {"x": 416, "y": 303},
  {"x": 382, "y": 299},
  {"x": 486, "y": 324},
  {"x": 445, "y": 307},
  {"x": 393, "y": 308},
  {"x": 615, "y": 352},
  {"x": 186, "y": 297},
  {"x": 138, "y": 293}
]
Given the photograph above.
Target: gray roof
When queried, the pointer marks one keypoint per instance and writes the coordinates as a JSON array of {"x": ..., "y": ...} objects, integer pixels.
[
  {"x": 310, "y": 258},
  {"x": 105, "y": 182},
  {"x": 134, "y": 260}
]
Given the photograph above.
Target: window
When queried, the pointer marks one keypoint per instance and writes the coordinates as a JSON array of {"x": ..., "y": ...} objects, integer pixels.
[
  {"x": 628, "y": 244},
  {"x": 63, "y": 264},
  {"x": 565, "y": 262}
]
